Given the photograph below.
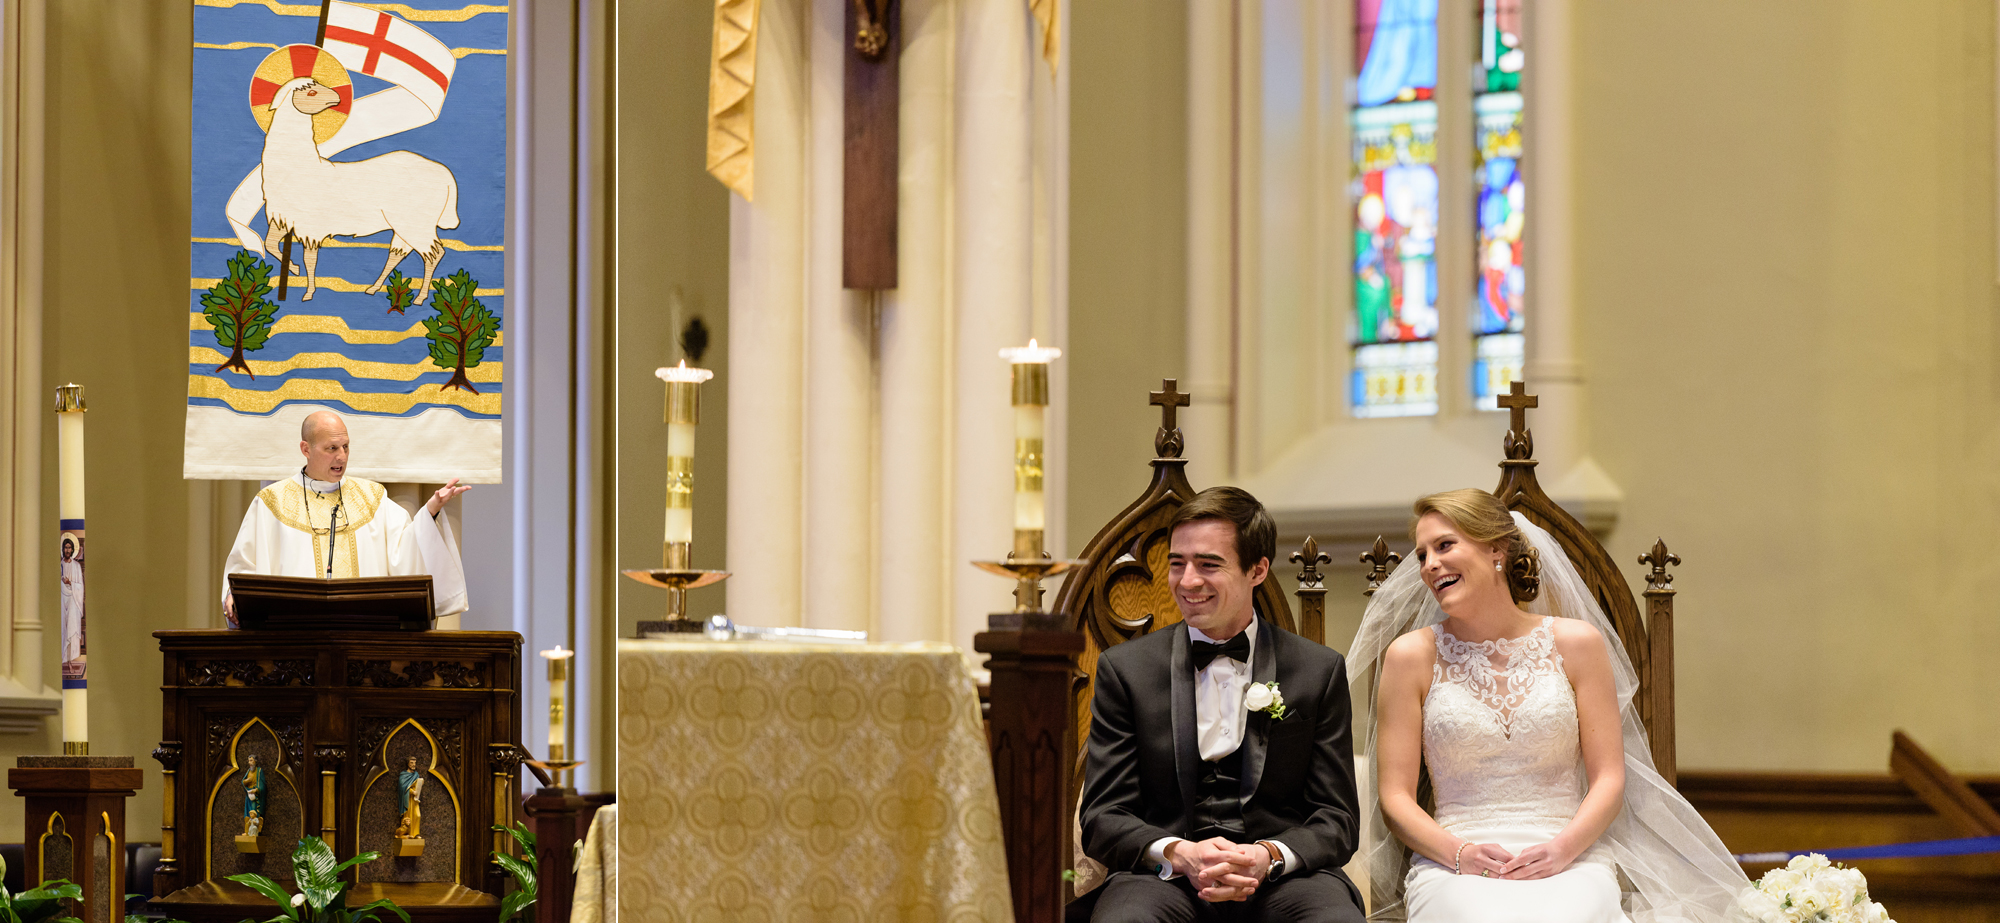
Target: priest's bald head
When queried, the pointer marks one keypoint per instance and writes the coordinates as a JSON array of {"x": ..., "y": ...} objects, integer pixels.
[{"x": 323, "y": 441}]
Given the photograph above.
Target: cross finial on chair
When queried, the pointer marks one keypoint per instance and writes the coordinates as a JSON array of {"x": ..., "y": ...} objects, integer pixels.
[
  {"x": 1520, "y": 444},
  {"x": 1167, "y": 443}
]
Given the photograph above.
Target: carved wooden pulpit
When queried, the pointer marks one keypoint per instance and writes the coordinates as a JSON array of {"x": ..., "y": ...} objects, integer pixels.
[{"x": 329, "y": 734}]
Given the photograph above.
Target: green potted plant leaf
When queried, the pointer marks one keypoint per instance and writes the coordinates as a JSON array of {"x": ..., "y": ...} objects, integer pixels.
[
  {"x": 523, "y": 871},
  {"x": 322, "y": 896},
  {"x": 46, "y": 903}
]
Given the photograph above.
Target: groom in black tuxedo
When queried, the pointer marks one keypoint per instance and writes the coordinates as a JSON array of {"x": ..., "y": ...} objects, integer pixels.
[{"x": 1201, "y": 807}]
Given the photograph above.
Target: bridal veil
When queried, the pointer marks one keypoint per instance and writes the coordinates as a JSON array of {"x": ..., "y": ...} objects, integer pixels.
[{"x": 1672, "y": 867}]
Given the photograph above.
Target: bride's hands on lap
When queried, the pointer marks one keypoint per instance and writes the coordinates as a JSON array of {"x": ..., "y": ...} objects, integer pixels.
[{"x": 1589, "y": 669}]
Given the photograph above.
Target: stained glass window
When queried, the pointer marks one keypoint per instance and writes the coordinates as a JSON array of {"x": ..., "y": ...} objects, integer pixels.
[
  {"x": 1395, "y": 193},
  {"x": 1499, "y": 348}
]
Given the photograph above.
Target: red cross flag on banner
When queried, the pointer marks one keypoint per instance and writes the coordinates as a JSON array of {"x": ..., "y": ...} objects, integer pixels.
[{"x": 380, "y": 45}]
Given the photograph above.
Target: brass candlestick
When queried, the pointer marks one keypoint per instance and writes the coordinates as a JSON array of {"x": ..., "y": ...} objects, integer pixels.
[
  {"x": 676, "y": 573},
  {"x": 1028, "y": 563},
  {"x": 677, "y": 578}
]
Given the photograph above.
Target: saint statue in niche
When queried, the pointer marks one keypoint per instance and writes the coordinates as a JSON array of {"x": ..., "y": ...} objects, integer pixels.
[
  {"x": 409, "y": 796},
  {"x": 253, "y": 798}
]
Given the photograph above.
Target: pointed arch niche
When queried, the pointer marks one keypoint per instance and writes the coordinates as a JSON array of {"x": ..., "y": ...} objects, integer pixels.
[{"x": 1271, "y": 252}]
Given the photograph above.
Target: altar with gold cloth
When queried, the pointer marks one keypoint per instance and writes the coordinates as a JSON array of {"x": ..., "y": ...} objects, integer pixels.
[{"x": 780, "y": 781}]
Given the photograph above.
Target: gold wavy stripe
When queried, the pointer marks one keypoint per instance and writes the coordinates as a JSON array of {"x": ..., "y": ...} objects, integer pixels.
[
  {"x": 239, "y": 46},
  {"x": 334, "y": 284},
  {"x": 322, "y": 323},
  {"x": 400, "y": 9},
  {"x": 487, "y": 401},
  {"x": 449, "y": 244},
  {"x": 387, "y": 371}
]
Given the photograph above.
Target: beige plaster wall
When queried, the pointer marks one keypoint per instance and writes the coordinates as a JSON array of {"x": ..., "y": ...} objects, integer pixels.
[
  {"x": 1786, "y": 293},
  {"x": 673, "y": 258},
  {"x": 115, "y": 305},
  {"x": 1128, "y": 244}
]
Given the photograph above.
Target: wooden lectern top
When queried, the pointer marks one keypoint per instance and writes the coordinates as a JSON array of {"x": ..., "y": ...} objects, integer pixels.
[{"x": 265, "y": 602}]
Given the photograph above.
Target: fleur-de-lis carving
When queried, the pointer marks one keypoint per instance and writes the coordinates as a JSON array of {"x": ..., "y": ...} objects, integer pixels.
[
  {"x": 1381, "y": 562},
  {"x": 1659, "y": 558},
  {"x": 1310, "y": 558}
]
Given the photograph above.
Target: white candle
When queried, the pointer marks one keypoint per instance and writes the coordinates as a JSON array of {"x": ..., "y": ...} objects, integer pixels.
[
  {"x": 1030, "y": 399},
  {"x": 680, "y": 482},
  {"x": 1028, "y": 496},
  {"x": 682, "y": 414},
  {"x": 558, "y": 699},
  {"x": 70, "y": 516}
]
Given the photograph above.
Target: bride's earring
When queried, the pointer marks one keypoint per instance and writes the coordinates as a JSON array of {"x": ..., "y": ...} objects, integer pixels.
[{"x": 1497, "y": 566}]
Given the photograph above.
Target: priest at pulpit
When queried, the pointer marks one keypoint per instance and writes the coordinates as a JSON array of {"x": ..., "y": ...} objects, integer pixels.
[{"x": 324, "y": 522}]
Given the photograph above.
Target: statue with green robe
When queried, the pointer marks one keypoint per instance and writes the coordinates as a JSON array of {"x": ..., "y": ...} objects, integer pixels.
[{"x": 253, "y": 798}]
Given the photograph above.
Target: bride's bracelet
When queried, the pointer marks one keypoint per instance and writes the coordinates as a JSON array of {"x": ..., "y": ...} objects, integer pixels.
[{"x": 1457, "y": 855}]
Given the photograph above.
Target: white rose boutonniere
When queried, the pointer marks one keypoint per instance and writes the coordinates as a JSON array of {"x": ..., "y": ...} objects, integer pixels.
[{"x": 1266, "y": 698}]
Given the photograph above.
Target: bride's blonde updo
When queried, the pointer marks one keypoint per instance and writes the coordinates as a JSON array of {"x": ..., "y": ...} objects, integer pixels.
[{"x": 1481, "y": 517}]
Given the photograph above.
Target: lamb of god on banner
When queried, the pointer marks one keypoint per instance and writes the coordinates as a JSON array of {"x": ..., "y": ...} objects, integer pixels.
[{"x": 421, "y": 389}]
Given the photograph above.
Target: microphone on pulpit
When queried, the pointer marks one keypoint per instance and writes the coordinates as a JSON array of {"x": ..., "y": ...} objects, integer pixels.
[
  {"x": 332, "y": 526},
  {"x": 332, "y": 518}
]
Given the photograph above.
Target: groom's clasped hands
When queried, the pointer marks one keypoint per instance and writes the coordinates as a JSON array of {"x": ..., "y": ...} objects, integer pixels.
[{"x": 1220, "y": 869}]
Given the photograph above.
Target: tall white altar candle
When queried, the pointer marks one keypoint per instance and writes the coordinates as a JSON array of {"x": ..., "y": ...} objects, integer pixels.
[
  {"x": 558, "y": 700},
  {"x": 682, "y": 414},
  {"x": 70, "y": 552},
  {"x": 1031, "y": 402}
]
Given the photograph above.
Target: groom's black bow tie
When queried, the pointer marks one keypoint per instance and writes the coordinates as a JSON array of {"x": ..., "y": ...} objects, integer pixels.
[{"x": 1202, "y": 652}]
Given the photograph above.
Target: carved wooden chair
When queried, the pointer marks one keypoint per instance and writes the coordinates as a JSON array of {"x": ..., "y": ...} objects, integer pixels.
[
  {"x": 1650, "y": 644},
  {"x": 1121, "y": 591}
]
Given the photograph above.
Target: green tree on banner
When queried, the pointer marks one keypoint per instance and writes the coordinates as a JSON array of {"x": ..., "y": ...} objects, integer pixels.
[
  {"x": 461, "y": 329},
  {"x": 402, "y": 292},
  {"x": 236, "y": 307}
]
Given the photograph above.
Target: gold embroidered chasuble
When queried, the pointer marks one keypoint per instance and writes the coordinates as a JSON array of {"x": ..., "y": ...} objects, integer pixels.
[{"x": 351, "y": 531}]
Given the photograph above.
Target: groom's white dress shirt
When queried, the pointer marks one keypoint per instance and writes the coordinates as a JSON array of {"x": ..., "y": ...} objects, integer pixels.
[{"x": 1219, "y": 720}]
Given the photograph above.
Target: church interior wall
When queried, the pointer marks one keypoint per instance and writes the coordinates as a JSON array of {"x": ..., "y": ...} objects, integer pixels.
[
  {"x": 1786, "y": 296},
  {"x": 1128, "y": 244},
  {"x": 1784, "y": 292},
  {"x": 1785, "y": 308},
  {"x": 114, "y": 307},
  {"x": 673, "y": 266}
]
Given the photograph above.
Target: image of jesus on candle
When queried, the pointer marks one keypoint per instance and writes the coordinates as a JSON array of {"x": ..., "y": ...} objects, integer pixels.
[{"x": 72, "y": 606}]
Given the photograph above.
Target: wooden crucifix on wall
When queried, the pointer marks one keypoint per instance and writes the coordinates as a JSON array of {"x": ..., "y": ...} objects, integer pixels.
[{"x": 868, "y": 223}]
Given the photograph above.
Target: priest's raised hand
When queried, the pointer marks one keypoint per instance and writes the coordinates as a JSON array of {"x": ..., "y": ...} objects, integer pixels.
[
  {"x": 324, "y": 522},
  {"x": 1219, "y": 777}
]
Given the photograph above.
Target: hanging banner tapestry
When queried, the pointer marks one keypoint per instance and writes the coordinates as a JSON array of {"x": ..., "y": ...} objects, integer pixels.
[{"x": 348, "y": 235}]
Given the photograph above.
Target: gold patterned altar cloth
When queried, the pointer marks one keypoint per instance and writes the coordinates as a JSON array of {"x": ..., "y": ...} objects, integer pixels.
[{"x": 793, "y": 782}]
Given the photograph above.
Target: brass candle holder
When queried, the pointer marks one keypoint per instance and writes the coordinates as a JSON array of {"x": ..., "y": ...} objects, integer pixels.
[
  {"x": 1028, "y": 563},
  {"x": 676, "y": 573}
]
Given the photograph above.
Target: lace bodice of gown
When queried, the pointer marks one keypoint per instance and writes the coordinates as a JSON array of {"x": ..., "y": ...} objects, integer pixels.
[{"x": 1500, "y": 733}]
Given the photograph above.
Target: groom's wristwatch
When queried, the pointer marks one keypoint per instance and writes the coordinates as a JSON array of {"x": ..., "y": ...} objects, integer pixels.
[{"x": 1277, "y": 866}]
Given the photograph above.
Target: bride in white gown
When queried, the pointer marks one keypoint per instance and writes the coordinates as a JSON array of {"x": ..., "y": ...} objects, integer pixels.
[{"x": 1495, "y": 670}]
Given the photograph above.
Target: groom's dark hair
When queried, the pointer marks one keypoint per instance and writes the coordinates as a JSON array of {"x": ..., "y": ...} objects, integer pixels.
[{"x": 1256, "y": 534}]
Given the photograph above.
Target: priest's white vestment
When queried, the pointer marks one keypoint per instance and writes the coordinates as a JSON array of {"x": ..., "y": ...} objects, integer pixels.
[{"x": 285, "y": 533}]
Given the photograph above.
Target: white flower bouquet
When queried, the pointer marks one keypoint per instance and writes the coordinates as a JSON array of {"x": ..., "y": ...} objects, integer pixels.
[{"x": 1810, "y": 889}]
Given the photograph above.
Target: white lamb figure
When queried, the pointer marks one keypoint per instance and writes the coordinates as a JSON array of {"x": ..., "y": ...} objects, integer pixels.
[{"x": 314, "y": 198}]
